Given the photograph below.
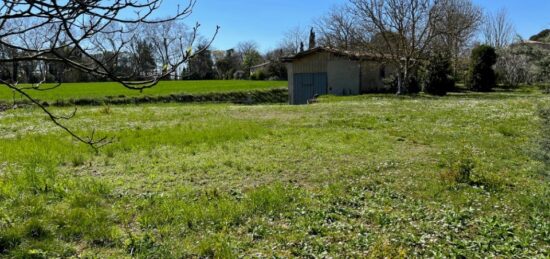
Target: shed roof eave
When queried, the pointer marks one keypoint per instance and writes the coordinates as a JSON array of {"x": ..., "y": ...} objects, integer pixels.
[{"x": 363, "y": 56}]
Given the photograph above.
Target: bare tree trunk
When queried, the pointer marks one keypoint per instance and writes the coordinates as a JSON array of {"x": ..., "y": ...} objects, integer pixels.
[
  {"x": 399, "y": 83},
  {"x": 403, "y": 79},
  {"x": 455, "y": 59}
]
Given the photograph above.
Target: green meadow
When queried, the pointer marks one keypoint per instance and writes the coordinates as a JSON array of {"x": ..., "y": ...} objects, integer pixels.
[
  {"x": 363, "y": 176},
  {"x": 99, "y": 90}
]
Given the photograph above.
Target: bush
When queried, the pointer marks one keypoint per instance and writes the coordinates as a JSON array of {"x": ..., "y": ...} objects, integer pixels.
[
  {"x": 543, "y": 36},
  {"x": 512, "y": 68},
  {"x": 277, "y": 69},
  {"x": 50, "y": 78},
  {"x": 391, "y": 82},
  {"x": 390, "y": 85},
  {"x": 482, "y": 77},
  {"x": 413, "y": 86},
  {"x": 438, "y": 79},
  {"x": 258, "y": 75}
]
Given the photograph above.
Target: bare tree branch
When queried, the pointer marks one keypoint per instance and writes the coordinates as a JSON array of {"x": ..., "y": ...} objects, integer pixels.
[
  {"x": 399, "y": 30},
  {"x": 91, "y": 36},
  {"x": 498, "y": 30}
]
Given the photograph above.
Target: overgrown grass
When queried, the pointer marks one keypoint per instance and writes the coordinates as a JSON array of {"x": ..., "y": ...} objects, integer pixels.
[
  {"x": 365, "y": 176},
  {"x": 101, "y": 90}
]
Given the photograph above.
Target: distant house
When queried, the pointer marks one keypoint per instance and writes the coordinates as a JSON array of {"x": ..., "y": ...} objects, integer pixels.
[
  {"x": 321, "y": 71},
  {"x": 536, "y": 44},
  {"x": 259, "y": 67}
]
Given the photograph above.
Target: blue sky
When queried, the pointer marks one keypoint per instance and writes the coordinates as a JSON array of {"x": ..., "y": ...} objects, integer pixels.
[{"x": 265, "y": 21}]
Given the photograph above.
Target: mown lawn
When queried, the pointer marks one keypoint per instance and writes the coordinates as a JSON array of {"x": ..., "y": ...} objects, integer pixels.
[
  {"x": 105, "y": 89},
  {"x": 366, "y": 176}
]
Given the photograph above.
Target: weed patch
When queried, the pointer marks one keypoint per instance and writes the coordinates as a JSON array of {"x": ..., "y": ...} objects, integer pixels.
[{"x": 46, "y": 207}]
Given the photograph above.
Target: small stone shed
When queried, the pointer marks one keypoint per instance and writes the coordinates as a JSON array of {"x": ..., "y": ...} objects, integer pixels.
[{"x": 321, "y": 71}]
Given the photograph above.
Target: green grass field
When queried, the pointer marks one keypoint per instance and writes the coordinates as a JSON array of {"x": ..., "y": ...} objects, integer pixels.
[
  {"x": 104, "y": 89},
  {"x": 364, "y": 176}
]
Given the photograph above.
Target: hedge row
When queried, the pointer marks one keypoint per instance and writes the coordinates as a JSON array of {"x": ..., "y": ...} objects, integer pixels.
[{"x": 277, "y": 95}]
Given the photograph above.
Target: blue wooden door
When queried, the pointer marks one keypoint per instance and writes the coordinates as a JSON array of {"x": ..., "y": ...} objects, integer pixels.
[
  {"x": 307, "y": 85},
  {"x": 320, "y": 84}
]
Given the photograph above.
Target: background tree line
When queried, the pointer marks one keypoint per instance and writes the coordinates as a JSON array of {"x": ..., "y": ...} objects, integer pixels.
[
  {"x": 150, "y": 50},
  {"x": 432, "y": 40},
  {"x": 410, "y": 33},
  {"x": 237, "y": 63}
]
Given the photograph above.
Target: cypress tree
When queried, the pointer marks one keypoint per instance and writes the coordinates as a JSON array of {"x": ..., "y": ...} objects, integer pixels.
[
  {"x": 439, "y": 77},
  {"x": 482, "y": 77}
]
